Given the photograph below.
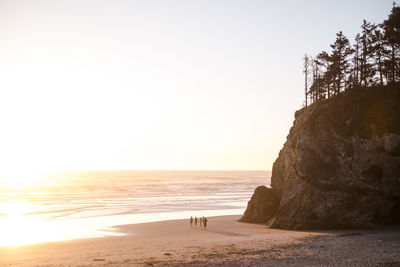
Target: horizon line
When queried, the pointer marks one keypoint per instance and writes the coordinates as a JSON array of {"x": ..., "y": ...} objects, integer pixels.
[{"x": 77, "y": 170}]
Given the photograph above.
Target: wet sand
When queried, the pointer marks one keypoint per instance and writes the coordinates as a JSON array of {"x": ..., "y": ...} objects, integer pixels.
[{"x": 225, "y": 242}]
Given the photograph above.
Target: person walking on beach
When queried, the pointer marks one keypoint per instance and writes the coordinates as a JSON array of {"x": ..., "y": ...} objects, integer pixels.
[
  {"x": 195, "y": 221},
  {"x": 201, "y": 222},
  {"x": 191, "y": 221},
  {"x": 205, "y": 222}
]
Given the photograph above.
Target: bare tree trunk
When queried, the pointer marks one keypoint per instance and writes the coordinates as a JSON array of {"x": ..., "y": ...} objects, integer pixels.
[
  {"x": 329, "y": 90},
  {"x": 356, "y": 75},
  {"x": 380, "y": 67},
  {"x": 393, "y": 63},
  {"x": 306, "y": 71}
]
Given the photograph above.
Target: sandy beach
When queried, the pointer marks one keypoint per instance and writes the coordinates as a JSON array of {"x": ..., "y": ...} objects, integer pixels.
[{"x": 225, "y": 242}]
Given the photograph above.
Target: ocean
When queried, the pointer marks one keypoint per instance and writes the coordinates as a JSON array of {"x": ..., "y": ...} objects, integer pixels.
[{"x": 75, "y": 205}]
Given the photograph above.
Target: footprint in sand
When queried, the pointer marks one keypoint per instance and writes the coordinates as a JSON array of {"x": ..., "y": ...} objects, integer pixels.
[{"x": 98, "y": 259}]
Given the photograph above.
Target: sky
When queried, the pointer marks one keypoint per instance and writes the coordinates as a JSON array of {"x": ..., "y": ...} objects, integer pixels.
[{"x": 167, "y": 85}]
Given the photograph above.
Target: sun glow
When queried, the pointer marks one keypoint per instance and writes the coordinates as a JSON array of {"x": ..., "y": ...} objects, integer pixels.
[
  {"x": 16, "y": 179},
  {"x": 17, "y": 229},
  {"x": 22, "y": 230}
]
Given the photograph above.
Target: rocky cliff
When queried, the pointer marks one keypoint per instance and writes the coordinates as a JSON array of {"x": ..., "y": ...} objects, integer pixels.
[{"x": 339, "y": 167}]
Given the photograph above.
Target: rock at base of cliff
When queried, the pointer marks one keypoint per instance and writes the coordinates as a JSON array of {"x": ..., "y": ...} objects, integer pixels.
[{"x": 262, "y": 206}]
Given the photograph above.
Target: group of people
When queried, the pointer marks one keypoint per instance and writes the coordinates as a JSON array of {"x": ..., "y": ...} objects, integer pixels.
[{"x": 202, "y": 221}]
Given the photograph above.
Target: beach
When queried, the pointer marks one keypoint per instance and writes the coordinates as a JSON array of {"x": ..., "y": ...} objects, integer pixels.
[
  {"x": 81, "y": 205},
  {"x": 225, "y": 242}
]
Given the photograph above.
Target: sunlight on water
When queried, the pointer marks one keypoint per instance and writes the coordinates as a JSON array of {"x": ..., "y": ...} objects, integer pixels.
[
  {"x": 21, "y": 179},
  {"x": 24, "y": 230},
  {"x": 17, "y": 229},
  {"x": 91, "y": 204}
]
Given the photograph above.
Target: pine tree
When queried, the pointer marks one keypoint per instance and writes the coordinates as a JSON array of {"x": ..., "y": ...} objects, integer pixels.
[
  {"x": 392, "y": 38},
  {"x": 379, "y": 51},
  {"x": 323, "y": 60},
  {"x": 340, "y": 59},
  {"x": 313, "y": 88},
  {"x": 376, "y": 59},
  {"x": 356, "y": 60},
  {"x": 366, "y": 68}
]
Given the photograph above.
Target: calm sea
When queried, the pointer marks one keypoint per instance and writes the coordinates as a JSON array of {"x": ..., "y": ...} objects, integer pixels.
[{"x": 89, "y": 204}]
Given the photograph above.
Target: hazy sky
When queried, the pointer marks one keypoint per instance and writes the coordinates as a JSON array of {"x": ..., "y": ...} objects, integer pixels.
[{"x": 158, "y": 84}]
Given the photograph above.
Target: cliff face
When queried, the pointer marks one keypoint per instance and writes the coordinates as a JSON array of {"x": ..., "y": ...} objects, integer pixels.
[{"x": 339, "y": 167}]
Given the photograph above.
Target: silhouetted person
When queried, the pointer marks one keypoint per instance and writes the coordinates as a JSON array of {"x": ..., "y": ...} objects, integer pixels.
[
  {"x": 201, "y": 222},
  {"x": 191, "y": 221},
  {"x": 195, "y": 221},
  {"x": 205, "y": 220}
]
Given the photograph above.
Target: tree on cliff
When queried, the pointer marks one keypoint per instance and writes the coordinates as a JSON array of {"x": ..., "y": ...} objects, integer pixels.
[
  {"x": 306, "y": 70},
  {"x": 366, "y": 59},
  {"x": 341, "y": 51},
  {"x": 379, "y": 51},
  {"x": 324, "y": 60},
  {"x": 356, "y": 60},
  {"x": 330, "y": 71},
  {"x": 322, "y": 76},
  {"x": 391, "y": 27},
  {"x": 373, "y": 58}
]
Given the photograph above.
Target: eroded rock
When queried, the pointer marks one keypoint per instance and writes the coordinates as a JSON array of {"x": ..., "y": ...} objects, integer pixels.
[
  {"x": 262, "y": 206},
  {"x": 340, "y": 165}
]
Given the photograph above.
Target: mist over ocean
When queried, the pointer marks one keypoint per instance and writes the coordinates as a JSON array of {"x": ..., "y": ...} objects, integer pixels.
[{"x": 97, "y": 201}]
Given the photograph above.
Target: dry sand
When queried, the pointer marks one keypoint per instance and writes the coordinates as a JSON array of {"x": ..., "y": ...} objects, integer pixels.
[{"x": 226, "y": 242}]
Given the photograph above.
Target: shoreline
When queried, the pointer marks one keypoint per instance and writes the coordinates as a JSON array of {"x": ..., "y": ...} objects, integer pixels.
[{"x": 225, "y": 241}]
